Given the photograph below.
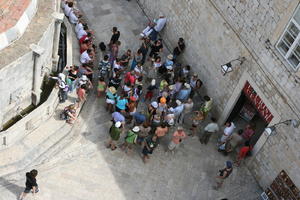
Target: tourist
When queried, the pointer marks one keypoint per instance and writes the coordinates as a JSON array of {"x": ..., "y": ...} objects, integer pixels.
[
  {"x": 179, "y": 48},
  {"x": 63, "y": 87},
  {"x": 161, "y": 130},
  {"x": 86, "y": 57},
  {"x": 137, "y": 58},
  {"x": 244, "y": 151},
  {"x": 81, "y": 94},
  {"x": 110, "y": 98},
  {"x": 248, "y": 132},
  {"x": 195, "y": 85},
  {"x": 144, "y": 49},
  {"x": 177, "y": 138},
  {"x": 150, "y": 90},
  {"x": 168, "y": 65},
  {"x": 236, "y": 139},
  {"x": 79, "y": 26},
  {"x": 163, "y": 85},
  {"x": 31, "y": 185},
  {"x": 139, "y": 118},
  {"x": 184, "y": 92},
  {"x": 118, "y": 117},
  {"x": 125, "y": 58},
  {"x": 115, "y": 81},
  {"x": 115, "y": 37},
  {"x": 114, "y": 132},
  {"x": 114, "y": 52},
  {"x": 207, "y": 105},
  {"x": 68, "y": 8},
  {"x": 188, "y": 107},
  {"x": 196, "y": 120},
  {"x": 72, "y": 77},
  {"x": 129, "y": 78},
  {"x": 151, "y": 111},
  {"x": 131, "y": 109},
  {"x": 138, "y": 70},
  {"x": 155, "y": 67},
  {"x": 224, "y": 145},
  {"x": 150, "y": 144},
  {"x": 177, "y": 110},
  {"x": 223, "y": 174},
  {"x": 121, "y": 103},
  {"x": 130, "y": 139},
  {"x": 209, "y": 129},
  {"x": 185, "y": 72},
  {"x": 82, "y": 33},
  {"x": 70, "y": 112},
  {"x": 101, "y": 87},
  {"x": 156, "y": 48},
  {"x": 154, "y": 28},
  {"x": 105, "y": 67}
]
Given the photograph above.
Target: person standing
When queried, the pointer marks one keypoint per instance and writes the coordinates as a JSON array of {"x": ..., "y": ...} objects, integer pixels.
[
  {"x": 149, "y": 145},
  {"x": 225, "y": 138},
  {"x": 115, "y": 36},
  {"x": 188, "y": 107},
  {"x": 130, "y": 139},
  {"x": 179, "y": 48},
  {"x": 31, "y": 185},
  {"x": 114, "y": 132},
  {"x": 223, "y": 174},
  {"x": 209, "y": 129},
  {"x": 177, "y": 138},
  {"x": 177, "y": 111},
  {"x": 207, "y": 105},
  {"x": 137, "y": 58},
  {"x": 244, "y": 151}
]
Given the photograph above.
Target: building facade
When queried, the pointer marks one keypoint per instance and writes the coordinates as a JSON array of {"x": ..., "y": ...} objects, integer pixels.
[{"x": 264, "y": 88}]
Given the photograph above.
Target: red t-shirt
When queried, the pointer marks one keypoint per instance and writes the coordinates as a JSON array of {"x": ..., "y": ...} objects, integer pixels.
[
  {"x": 129, "y": 78},
  {"x": 243, "y": 151},
  {"x": 81, "y": 93}
]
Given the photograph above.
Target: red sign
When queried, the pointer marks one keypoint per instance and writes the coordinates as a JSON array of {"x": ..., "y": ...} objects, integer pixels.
[{"x": 257, "y": 102}]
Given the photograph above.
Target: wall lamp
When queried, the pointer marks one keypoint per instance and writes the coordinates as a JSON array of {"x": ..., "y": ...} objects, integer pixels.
[
  {"x": 226, "y": 68},
  {"x": 271, "y": 130}
]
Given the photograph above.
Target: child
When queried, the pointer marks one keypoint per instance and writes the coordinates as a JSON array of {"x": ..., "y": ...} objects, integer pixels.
[
  {"x": 104, "y": 67},
  {"x": 101, "y": 86},
  {"x": 196, "y": 121}
]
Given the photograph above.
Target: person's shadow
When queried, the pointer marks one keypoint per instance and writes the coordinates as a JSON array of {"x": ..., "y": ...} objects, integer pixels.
[{"x": 13, "y": 188}]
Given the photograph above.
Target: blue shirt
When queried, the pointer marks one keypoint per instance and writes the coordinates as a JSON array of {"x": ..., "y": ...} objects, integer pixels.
[
  {"x": 118, "y": 117},
  {"x": 183, "y": 94},
  {"x": 121, "y": 104}
]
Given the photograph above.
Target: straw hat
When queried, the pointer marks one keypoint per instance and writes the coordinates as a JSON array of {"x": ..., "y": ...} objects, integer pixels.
[
  {"x": 171, "y": 87},
  {"x": 187, "y": 85},
  {"x": 154, "y": 104},
  {"x": 170, "y": 57},
  {"x": 112, "y": 89},
  {"x": 178, "y": 102}
]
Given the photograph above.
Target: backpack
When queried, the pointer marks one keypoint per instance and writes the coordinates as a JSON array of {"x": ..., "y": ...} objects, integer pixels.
[
  {"x": 63, "y": 115},
  {"x": 102, "y": 46}
]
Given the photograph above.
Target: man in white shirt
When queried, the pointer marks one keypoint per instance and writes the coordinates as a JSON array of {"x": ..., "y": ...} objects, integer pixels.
[
  {"x": 80, "y": 24},
  {"x": 72, "y": 17},
  {"x": 227, "y": 131},
  {"x": 154, "y": 28},
  {"x": 68, "y": 8},
  {"x": 82, "y": 32},
  {"x": 85, "y": 57},
  {"x": 177, "y": 110},
  {"x": 209, "y": 130}
]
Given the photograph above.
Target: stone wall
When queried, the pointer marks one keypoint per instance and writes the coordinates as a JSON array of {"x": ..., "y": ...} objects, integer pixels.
[
  {"x": 217, "y": 31},
  {"x": 17, "y": 63}
]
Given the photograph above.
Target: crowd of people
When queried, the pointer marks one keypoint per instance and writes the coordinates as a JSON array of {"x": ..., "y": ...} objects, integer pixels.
[{"x": 148, "y": 95}]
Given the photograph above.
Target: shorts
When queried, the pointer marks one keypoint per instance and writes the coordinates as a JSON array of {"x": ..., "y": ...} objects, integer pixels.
[
  {"x": 28, "y": 190},
  {"x": 172, "y": 145},
  {"x": 110, "y": 101}
]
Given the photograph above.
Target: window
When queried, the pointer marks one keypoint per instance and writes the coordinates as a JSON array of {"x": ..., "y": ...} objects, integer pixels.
[{"x": 289, "y": 43}]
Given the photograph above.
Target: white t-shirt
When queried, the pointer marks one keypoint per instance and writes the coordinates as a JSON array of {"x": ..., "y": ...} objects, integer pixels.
[
  {"x": 78, "y": 27},
  {"x": 84, "y": 57},
  {"x": 73, "y": 18},
  {"x": 156, "y": 64},
  {"x": 160, "y": 24},
  {"x": 67, "y": 10},
  {"x": 81, "y": 33},
  {"x": 229, "y": 130}
]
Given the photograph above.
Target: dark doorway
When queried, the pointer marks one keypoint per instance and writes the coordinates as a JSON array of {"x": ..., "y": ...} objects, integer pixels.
[{"x": 243, "y": 113}]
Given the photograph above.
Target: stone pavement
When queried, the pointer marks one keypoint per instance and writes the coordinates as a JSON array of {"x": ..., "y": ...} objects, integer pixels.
[{"x": 84, "y": 169}]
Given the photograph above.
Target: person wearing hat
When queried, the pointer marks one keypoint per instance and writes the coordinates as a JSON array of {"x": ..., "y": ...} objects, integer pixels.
[
  {"x": 177, "y": 138},
  {"x": 110, "y": 98},
  {"x": 168, "y": 65},
  {"x": 154, "y": 28},
  {"x": 223, "y": 174},
  {"x": 150, "y": 90},
  {"x": 151, "y": 111},
  {"x": 177, "y": 111},
  {"x": 196, "y": 84},
  {"x": 184, "y": 92},
  {"x": 130, "y": 139},
  {"x": 114, "y": 132},
  {"x": 150, "y": 143},
  {"x": 63, "y": 87}
]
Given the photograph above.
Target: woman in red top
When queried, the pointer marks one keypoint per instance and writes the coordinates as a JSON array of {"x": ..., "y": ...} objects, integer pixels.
[{"x": 244, "y": 151}]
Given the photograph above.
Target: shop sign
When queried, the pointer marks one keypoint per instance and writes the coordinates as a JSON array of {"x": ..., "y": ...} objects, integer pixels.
[{"x": 257, "y": 102}]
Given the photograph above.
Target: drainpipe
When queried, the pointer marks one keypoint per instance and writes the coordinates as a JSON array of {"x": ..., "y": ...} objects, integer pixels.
[
  {"x": 36, "y": 91},
  {"x": 59, "y": 17}
]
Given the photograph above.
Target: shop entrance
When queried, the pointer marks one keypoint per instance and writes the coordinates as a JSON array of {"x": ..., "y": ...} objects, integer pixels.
[{"x": 249, "y": 109}]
